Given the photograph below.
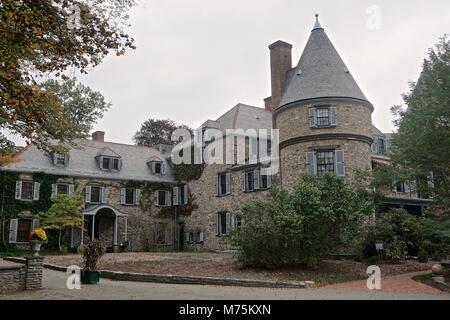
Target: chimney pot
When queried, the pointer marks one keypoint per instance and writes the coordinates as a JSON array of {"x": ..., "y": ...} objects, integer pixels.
[{"x": 98, "y": 136}]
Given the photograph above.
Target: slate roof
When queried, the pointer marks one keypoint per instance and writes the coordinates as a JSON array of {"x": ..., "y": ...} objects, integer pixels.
[
  {"x": 245, "y": 117},
  {"x": 82, "y": 162},
  {"x": 320, "y": 73}
]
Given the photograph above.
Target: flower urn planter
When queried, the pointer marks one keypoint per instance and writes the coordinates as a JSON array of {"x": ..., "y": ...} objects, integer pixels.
[
  {"x": 90, "y": 277},
  {"x": 35, "y": 247}
]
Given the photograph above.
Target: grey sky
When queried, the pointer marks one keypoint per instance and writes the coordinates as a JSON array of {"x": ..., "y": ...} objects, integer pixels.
[{"x": 196, "y": 59}]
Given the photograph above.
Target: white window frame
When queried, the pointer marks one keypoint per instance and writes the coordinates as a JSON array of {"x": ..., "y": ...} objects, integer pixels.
[
  {"x": 70, "y": 188},
  {"x": 59, "y": 156}
]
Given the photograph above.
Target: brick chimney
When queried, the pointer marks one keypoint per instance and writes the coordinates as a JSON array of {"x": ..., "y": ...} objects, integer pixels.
[
  {"x": 98, "y": 136},
  {"x": 280, "y": 63}
]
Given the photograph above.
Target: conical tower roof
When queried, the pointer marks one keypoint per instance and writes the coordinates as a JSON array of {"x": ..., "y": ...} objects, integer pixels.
[{"x": 320, "y": 73}]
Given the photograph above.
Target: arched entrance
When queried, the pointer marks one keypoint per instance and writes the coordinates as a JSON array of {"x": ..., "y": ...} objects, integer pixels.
[{"x": 103, "y": 222}]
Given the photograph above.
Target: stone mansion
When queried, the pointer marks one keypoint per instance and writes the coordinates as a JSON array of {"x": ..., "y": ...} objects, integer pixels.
[{"x": 131, "y": 197}]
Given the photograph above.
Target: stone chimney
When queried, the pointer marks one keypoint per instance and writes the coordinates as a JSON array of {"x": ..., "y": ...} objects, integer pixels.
[
  {"x": 280, "y": 63},
  {"x": 98, "y": 136}
]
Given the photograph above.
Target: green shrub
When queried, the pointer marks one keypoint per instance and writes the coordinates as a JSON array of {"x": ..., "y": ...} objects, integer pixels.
[
  {"x": 372, "y": 260},
  {"x": 396, "y": 250},
  {"x": 302, "y": 226}
]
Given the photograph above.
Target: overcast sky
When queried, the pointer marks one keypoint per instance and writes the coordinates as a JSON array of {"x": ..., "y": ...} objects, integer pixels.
[{"x": 196, "y": 59}]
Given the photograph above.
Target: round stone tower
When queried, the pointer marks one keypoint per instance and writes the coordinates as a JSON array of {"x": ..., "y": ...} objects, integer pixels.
[{"x": 325, "y": 121}]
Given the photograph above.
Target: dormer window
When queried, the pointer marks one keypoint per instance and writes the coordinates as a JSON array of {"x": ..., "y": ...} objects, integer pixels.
[
  {"x": 60, "y": 159},
  {"x": 110, "y": 163},
  {"x": 156, "y": 167}
]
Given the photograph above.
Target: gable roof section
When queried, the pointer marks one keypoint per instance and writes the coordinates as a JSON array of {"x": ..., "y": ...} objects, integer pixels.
[
  {"x": 82, "y": 162},
  {"x": 245, "y": 117},
  {"x": 320, "y": 73}
]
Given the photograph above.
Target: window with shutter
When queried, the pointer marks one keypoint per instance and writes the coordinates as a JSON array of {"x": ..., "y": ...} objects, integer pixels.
[
  {"x": 185, "y": 195},
  {"x": 223, "y": 184},
  {"x": 25, "y": 190},
  {"x": 325, "y": 160},
  {"x": 249, "y": 181}
]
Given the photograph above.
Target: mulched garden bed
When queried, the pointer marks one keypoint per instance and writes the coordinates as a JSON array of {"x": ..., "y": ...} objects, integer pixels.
[
  {"x": 224, "y": 265},
  {"x": 428, "y": 280}
]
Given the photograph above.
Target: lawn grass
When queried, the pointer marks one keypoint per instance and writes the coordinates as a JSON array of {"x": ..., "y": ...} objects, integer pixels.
[{"x": 423, "y": 277}]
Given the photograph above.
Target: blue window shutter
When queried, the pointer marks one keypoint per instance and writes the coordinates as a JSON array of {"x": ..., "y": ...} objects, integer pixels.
[
  {"x": 175, "y": 193},
  {"x": 103, "y": 199},
  {"x": 186, "y": 194},
  {"x": 256, "y": 179}
]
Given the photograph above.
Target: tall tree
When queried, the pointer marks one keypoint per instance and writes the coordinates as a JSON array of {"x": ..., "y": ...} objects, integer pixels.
[
  {"x": 422, "y": 142},
  {"x": 45, "y": 37},
  {"x": 81, "y": 104},
  {"x": 153, "y": 132},
  {"x": 64, "y": 213}
]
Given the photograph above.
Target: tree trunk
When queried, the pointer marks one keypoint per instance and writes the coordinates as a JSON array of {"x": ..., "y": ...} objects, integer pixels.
[{"x": 59, "y": 239}]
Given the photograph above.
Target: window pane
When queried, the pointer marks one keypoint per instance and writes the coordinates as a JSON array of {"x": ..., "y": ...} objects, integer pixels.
[
  {"x": 223, "y": 223},
  {"x": 116, "y": 164},
  {"x": 95, "y": 194},
  {"x": 250, "y": 186},
  {"x": 182, "y": 195},
  {"x": 23, "y": 230},
  {"x": 60, "y": 159},
  {"x": 222, "y": 184},
  {"x": 63, "y": 189},
  {"x": 106, "y": 163},
  {"x": 158, "y": 167},
  {"x": 325, "y": 162},
  {"x": 129, "y": 196},
  {"x": 323, "y": 116},
  {"x": 162, "y": 198},
  {"x": 263, "y": 181},
  {"x": 27, "y": 190}
]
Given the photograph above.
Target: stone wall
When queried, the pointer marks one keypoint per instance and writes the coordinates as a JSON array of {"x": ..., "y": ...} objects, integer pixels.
[
  {"x": 141, "y": 222},
  {"x": 34, "y": 269},
  {"x": 351, "y": 118},
  {"x": 12, "y": 278},
  {"x": 202, "y": 219},
  {"x": 293, "y": 159}
]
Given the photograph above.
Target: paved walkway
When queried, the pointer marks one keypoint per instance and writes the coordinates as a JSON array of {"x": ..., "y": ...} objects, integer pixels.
[
  {"x": 399, "y": 283},
  {"x": 55, "y": 288}
]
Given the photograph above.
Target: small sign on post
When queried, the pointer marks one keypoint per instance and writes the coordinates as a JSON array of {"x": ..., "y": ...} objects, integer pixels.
[{"x": 379, "y": 246}]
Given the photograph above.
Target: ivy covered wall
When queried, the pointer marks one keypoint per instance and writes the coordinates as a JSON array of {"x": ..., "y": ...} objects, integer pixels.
[{"x": 10, "y": 207}]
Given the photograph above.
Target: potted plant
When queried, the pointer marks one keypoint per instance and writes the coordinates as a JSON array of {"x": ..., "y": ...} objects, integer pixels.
[
  {"x": 92, "y": 252},
  {"x": 37, "y": 237}
]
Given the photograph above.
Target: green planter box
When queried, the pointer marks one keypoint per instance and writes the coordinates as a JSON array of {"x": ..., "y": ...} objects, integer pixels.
[{"x": 90, "y": 277}]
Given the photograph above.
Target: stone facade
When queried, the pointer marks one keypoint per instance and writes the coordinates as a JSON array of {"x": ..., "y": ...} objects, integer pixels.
[
  {"x": 12, "y": 278},
  {"x": 203, "y": 218}
]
